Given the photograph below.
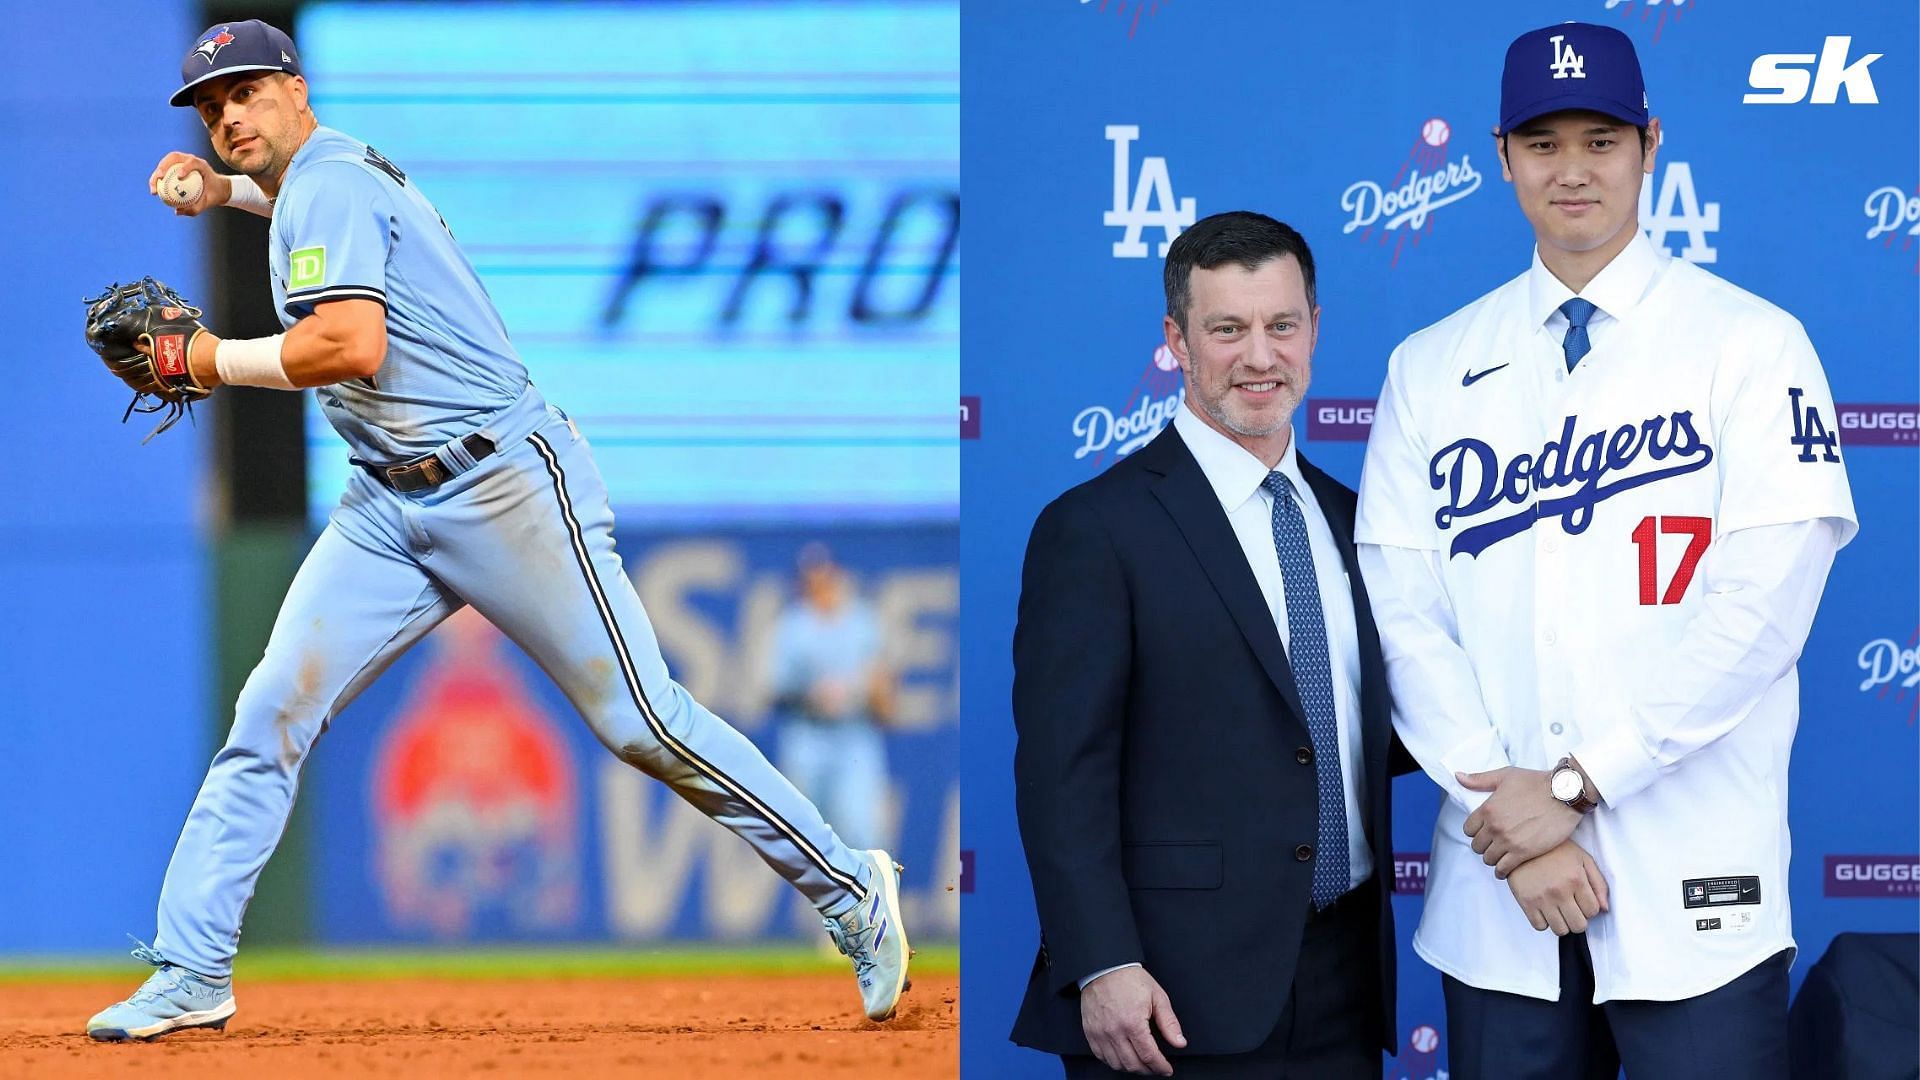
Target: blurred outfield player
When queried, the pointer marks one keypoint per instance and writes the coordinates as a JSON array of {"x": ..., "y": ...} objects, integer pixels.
[
  {"x": 1598, "y": 510},
  {"x": 472, "y": 490},
  {"x": 833, "y": 691}
]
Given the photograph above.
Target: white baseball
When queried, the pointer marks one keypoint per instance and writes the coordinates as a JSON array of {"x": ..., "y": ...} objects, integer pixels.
[
  {"x": 1435, "y": 132},
  {"x": 180, "y": 187}
]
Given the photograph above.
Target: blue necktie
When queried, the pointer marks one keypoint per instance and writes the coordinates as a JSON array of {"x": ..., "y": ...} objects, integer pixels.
[
  {"x": 1576, "y": 345},
  {"x": 1313, "y": 674}
]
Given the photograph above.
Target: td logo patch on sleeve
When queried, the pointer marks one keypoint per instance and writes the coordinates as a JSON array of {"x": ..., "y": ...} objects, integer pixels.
[{"x": 309, "y": 267}]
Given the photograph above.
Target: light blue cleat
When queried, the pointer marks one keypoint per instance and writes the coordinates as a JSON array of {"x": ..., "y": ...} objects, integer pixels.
[
  {"x": 172, "y": 998},
  {"x": 873, "y": 936}
]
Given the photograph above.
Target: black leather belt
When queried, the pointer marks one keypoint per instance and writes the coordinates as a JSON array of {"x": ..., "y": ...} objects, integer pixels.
[{"x": 425, "y": 473}]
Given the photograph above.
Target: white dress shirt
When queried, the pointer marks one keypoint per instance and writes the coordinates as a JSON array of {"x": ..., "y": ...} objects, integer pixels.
[
  {"x": 1237, "y": 479},
  {"x": 1523, "y": 529}
]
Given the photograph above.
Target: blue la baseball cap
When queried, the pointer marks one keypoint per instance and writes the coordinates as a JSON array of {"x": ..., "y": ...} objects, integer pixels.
[
  {"x": 235, "y": 46},
  {"x": 1572, "y": 66}
]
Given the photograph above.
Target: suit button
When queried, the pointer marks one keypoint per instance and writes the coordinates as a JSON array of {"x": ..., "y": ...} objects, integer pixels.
[
  {"x": 1303, "y": 852},
  {"x": 1304, "y": 755}
]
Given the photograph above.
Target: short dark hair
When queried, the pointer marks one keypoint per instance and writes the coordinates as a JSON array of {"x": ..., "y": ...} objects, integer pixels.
[{"x": 1241, "y": 237}]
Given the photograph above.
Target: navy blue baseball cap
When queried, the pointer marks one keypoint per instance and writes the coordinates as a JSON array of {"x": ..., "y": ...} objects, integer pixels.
[
  {"x": 236, "y": 46},
  {"x": 1572, "y": 66}
]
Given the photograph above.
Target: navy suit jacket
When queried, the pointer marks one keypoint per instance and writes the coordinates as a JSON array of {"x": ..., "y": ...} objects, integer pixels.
[{"x": 1164, "y": 782}]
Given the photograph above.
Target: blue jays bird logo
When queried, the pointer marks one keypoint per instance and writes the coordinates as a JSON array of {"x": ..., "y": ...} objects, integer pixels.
[{"x": 211, "y": 45}]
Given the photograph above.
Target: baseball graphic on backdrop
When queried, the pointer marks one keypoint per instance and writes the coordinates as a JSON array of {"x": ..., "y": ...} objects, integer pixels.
[
  {"x": 1435, "y": 132},
  {"x": 180, "y": 187}
]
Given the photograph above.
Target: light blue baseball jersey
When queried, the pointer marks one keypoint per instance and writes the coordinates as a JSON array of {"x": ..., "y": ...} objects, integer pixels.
[
  {"x": 348, "y": 224},
  {"x": 524, "y": 535}
]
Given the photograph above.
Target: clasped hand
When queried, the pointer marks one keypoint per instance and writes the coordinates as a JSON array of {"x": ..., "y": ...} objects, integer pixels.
[
  {"x": 1520, "y": 821},
  {"x": 1525, "y": 834}
]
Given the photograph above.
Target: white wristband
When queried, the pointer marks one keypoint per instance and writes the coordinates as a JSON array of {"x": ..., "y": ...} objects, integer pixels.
[
  {"x": 252, "y": 362},
  {"x": 248, "y": 196}
]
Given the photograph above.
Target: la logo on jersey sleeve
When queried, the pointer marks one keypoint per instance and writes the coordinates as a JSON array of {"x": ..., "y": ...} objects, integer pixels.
[{"x": 1810, "y": 433}]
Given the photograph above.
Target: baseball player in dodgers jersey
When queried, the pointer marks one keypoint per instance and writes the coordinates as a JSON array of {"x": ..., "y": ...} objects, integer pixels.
[
  {"x": 473, "y": 491},
  {"x": 1598, "y": 510}
]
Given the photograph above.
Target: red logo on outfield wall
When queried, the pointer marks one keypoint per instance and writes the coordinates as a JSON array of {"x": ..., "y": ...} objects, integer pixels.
[{"x": 474, "y": 799}]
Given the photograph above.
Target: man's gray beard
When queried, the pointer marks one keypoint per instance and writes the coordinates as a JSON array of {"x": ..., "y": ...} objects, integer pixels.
[{"x": 1218, "y": 411}]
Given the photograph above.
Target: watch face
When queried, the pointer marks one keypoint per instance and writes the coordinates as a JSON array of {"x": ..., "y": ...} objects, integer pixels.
[{"x": 1567, "y": 785}]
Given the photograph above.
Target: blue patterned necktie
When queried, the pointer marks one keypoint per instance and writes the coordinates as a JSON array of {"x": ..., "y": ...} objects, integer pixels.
[
  {"x": 1576, "y": 345},
  {"x": 1313, "y": 674}
]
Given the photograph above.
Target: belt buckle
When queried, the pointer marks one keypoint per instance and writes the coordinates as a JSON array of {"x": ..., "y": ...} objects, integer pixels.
[{"x": 416, "y": 476}]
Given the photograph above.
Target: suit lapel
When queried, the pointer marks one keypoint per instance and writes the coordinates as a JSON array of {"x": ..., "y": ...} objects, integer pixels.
[{"x": 1190, "y": 501}]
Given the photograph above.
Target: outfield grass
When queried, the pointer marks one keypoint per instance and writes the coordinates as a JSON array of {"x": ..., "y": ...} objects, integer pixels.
[{"x": 271, "y": 962}]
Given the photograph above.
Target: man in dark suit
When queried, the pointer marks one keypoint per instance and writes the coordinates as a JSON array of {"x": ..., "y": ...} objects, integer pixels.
[{"x": 1203, "y": 720}]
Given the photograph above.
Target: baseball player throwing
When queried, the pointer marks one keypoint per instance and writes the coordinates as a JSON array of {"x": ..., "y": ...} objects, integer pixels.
[
  {"x": 472, "y": 490},
  {"x": 1598, "y": 510}
]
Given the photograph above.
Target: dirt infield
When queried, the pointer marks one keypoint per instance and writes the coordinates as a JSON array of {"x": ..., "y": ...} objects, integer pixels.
[{"x": 722, "y": 1026}]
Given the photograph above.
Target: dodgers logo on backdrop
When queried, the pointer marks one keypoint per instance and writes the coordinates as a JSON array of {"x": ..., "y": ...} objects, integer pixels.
[
  {"x": 1131, "y": 16},
  {"x": 1418, "y": 1058},
  {"x": 1425, "y": 182},
  {"x": 1145, "y": 414},
  {"x": 1665, "y": 9},
  {"x": 1893, "y": 670},
  {"x": 1893, "y": 212},
  {"x": 1679, "y": 211},
  {"x": 211, "y": 45},
  {"x": 1477, "y": 482},
  {"x": 1153, "y": 204},
  {"x": 474, "y": 799}
]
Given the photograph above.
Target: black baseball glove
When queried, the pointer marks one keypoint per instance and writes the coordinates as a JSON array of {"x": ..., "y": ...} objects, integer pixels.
[{"x": 148, "y": 313}]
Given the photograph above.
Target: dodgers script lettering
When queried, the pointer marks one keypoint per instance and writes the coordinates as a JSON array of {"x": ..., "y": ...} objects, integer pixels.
[{"x": 1477, "y": 481}]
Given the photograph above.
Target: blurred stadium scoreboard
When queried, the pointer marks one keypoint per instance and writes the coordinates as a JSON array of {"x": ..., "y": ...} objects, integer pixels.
[{"x": 723, "y": 235}]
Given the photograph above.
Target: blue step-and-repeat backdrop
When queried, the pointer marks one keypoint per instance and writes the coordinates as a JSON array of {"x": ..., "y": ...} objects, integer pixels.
[{"x": 1096, "y": 129}]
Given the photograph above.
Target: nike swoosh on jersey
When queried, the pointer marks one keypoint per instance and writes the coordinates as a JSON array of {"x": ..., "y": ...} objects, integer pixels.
[{"x": 1472, "y": 377}]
